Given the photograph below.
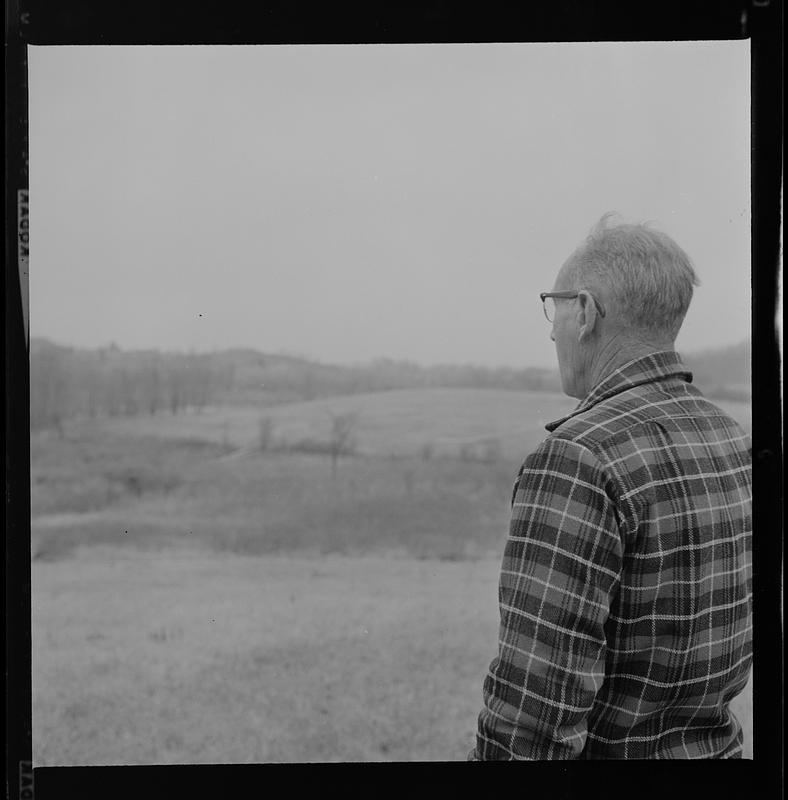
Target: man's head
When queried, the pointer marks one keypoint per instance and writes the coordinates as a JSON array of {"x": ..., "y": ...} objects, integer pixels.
[{"x": 634, "y": 286}]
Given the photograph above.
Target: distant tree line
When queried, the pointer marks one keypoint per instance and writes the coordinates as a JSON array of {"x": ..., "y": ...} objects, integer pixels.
[
  {"x": 275, "y": 379},
  {"x": 68, "y": 382}
]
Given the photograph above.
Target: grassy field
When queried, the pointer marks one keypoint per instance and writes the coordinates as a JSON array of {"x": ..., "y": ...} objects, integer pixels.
[
  {"x": 188, "y": 657},
  {"x": 396, "y": 423},
  {"x": 196, "y": 600},
  {"x": 265, "y": 503},
  {"x": 193, "y": 657}
]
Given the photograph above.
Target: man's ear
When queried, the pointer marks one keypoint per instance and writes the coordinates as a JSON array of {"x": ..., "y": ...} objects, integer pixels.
[{"x": 588, "y": 316}]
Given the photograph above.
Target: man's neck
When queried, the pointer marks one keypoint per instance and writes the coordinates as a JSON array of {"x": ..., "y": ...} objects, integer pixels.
[{"x": 620, "y": 350}]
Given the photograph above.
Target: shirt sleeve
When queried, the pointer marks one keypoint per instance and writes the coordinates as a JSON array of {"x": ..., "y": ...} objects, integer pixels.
[{"x": 560, "y": 570}]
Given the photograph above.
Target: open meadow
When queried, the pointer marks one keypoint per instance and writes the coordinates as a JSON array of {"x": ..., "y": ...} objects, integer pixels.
[{"x": 208, "y": 587}]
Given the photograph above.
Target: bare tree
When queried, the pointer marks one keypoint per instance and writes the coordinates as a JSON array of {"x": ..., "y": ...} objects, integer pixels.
[
  {"x": 150, "y": 381},
  {"x": 175, "y": 384},
  {"x": 54, "y": 386},
  {"x": 265, "y": 434},
  {"x": 309, "y": 383},
  {"x": 342, "y": 440},
  {"x": 91, "y": 381},
  {"x": 226, "y": 442}
]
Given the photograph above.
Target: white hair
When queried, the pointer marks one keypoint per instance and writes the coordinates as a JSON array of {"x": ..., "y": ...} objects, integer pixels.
[{"x": 645, "y": 274}]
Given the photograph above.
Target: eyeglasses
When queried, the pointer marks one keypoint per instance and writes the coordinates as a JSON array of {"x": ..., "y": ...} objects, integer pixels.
[{"x": 549, "y": 298}]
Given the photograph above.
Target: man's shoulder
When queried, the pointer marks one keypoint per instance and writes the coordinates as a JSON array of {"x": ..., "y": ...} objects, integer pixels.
[
  {"x": 615, "y": 414},
  {"x": 637, "y": 411}
]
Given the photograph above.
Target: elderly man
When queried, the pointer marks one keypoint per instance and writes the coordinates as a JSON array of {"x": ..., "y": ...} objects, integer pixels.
[{"x": 625, "y": 588}]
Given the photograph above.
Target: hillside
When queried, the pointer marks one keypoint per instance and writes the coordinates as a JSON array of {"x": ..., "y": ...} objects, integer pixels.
[
  {"x": 469, "y": 424},
  {"x": 465, "y": 423},
  {"x": 69, "y": 382}
]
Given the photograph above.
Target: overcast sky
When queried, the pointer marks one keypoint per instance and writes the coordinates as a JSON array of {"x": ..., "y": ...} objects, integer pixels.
[{"x": 353, "y": 202}]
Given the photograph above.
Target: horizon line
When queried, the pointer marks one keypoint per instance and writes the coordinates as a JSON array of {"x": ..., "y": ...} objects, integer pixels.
[{"x": 281, "y": 353}]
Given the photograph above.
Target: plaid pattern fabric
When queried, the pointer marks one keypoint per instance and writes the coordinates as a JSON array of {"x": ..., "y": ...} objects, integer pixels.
[{"x": 625, "y": 588}]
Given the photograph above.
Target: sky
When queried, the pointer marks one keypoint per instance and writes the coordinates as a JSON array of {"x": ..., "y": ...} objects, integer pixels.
[{"x": 347, "y": 203}]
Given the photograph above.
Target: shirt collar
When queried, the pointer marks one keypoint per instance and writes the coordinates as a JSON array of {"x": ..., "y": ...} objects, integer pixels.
[{"x": 645, "y": 369}]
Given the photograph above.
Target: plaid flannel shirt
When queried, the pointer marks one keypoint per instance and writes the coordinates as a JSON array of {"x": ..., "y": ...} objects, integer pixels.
[{"x": 625, "y": 588}]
